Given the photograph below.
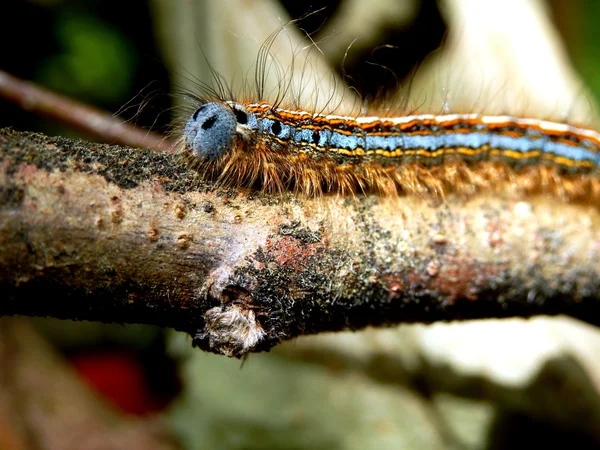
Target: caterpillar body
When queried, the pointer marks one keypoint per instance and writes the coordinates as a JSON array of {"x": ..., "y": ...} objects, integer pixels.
[{"x": 265, "y": 147}]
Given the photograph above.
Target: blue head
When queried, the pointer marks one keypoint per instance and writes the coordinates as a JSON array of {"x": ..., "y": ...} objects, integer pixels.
[{"x": 211, "y": 130}]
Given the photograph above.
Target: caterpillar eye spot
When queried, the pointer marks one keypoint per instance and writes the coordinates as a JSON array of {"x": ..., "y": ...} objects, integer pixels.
[{"x": 208, "y": 123}]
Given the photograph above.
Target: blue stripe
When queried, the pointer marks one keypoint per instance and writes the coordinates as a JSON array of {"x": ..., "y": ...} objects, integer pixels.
[
  {"x": 335, "y": 140},
  {"x": 287, "y": 132},
  {"x": 476, "y": 140},
  {"x": 574, "y": 153},
  {"x": 304, "y": 135},
  {"x": 324, "y": 138},
  {"x": 339, "y": 140}
]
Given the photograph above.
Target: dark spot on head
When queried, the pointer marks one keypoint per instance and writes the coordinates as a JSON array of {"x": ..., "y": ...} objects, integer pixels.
[
  {"x": 240, "y": 115},
  {"x": 208, "y": 123},
  {"x": 315, "y": 137},
  {"x": 276, "y": 128},
  {"x": 195, "y": 115}
]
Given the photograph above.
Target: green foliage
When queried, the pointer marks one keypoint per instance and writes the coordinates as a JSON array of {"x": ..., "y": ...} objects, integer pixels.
[{"x": 97, "y": 62}]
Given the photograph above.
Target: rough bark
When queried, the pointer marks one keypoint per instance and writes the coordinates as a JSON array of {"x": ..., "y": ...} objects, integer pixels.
[{"x": 96, "y": 232}]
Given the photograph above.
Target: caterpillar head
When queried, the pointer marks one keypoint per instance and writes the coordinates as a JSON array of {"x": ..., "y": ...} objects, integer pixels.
[{"x": 213, "y": 128}]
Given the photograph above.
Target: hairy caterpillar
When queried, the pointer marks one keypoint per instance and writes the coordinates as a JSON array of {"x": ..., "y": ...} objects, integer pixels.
[{"x": 261, "y": 145}]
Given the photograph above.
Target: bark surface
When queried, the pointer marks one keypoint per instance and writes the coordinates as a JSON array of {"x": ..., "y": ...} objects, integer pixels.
[{"x": 113, "y": 234}]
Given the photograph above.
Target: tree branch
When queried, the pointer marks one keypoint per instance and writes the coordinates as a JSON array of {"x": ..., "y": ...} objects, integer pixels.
[{"x": 114, "y": 234}]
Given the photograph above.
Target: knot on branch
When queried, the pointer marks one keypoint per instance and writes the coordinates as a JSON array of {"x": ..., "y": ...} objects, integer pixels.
[{"x": 231, "y": 329}]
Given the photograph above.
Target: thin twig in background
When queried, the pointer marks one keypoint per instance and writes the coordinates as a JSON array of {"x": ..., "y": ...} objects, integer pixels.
[{"x": 93, "y": 121}]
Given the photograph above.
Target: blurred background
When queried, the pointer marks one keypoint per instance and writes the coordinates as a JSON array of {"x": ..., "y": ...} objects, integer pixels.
[{"x": 481, "y": 385}]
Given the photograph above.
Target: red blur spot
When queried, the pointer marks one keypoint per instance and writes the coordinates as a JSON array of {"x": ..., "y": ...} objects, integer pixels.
[{"x": 118, "y": 377}]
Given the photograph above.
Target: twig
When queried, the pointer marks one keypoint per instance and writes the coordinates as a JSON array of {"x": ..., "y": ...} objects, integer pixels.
[
  {"x": 120, "y": 235},
  {"x": 95, "y": 122}
]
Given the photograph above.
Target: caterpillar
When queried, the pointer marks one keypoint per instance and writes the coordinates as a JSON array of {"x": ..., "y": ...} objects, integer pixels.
[
  {"x": 264, "y": 146},
  {"x": 272, "y": 149}
]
